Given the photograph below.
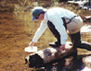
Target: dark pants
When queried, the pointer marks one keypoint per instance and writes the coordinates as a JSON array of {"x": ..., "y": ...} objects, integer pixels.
[
  {"x": 75, "y": 38},
  {"x": 54, "y": 32}
]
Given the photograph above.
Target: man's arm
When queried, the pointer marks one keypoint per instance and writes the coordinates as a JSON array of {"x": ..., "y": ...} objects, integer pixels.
[{"x": 39, "y": 32}]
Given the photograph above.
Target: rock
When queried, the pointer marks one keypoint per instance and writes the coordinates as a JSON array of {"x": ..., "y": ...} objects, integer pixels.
[
  {"x": 86, "y": 29},
  {"x": 87, "y": 61},
  {"x": 82, "y": 4},
  {"x": 87, "y": 19}
]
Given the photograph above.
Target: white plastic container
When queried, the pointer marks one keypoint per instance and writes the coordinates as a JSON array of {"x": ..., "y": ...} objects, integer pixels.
[{"x": 31, "y": 49}]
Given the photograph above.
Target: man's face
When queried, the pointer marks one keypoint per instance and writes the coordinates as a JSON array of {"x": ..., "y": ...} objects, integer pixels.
[{"x": 41, "y": 16}]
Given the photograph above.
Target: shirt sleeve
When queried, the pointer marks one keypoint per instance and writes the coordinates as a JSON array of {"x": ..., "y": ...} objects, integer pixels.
[
  {"x": 58, "y": 23},
  {"x": 40, "y": 31}
]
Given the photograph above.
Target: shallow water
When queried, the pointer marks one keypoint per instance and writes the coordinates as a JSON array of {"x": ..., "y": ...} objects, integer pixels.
[{"x": 16, "y": 31}]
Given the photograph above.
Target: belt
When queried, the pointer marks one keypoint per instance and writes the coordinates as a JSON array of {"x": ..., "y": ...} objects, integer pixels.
[{"x": 70, "y": 19}]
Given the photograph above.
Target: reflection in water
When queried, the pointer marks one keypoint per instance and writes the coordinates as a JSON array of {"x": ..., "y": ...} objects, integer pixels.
[{"x": 69, "y": 63}]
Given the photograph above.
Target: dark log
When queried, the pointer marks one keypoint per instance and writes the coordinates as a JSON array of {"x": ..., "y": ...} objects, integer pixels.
[{"x": 47, "y": 55}]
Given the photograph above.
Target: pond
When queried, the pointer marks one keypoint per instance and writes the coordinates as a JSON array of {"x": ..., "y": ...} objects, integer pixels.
[{"x": 17, "y": 30}]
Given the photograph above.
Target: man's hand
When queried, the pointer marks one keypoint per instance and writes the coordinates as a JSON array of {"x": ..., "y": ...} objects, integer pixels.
[
  {"x": 62, "y": 47},
  {"x": 31, "y": 44}
]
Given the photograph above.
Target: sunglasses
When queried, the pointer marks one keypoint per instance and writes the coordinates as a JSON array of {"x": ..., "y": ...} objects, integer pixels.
[{"x": 37, "y": 16}]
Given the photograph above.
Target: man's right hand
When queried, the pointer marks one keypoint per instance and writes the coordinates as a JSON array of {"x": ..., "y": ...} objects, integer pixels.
[
  {"x": 62, "y": 47},
  {"x": 31, "y": 43}
]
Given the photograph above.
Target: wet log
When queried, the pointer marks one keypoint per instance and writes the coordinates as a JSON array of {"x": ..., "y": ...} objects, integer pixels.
[{"x": 47, "y": 55}]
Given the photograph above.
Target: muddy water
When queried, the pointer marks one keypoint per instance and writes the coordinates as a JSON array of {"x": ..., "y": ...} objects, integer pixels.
[
  {"x": 16, "y": 31},
  {"x": 14, "y": 36}
]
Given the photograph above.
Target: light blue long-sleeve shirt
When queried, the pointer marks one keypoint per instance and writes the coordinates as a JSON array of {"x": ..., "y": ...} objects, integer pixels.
[{"x": 54, "y": 15}]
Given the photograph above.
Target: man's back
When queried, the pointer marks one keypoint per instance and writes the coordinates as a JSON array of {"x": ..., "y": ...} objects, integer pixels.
[{"x": 60, "y": 12}]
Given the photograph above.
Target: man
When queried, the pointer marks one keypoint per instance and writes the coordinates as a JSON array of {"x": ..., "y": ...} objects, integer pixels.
[{"x": 59, "y": 20}]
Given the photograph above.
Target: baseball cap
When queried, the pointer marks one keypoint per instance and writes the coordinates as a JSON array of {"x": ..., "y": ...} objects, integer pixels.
[{"x": 36, "y": 11}]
